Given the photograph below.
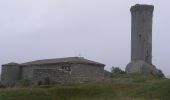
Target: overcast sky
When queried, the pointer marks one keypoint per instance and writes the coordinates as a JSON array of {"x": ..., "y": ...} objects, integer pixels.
[{"x": 98, "y": 30}]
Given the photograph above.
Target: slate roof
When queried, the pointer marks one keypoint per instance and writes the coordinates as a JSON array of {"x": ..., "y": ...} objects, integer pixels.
[{"x": 63, "y": 60}]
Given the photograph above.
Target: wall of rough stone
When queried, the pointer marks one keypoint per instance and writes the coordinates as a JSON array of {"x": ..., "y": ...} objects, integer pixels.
[
  {"x": 141, "y": 40},
  {"x": 27, "y": 71},
  {"x": 34, "y": 73},
  {"x": 87, "y": 72},
  {"x": 10, "y": 74},
  {"x": 78, "y": 73},
  {"x": 141, "y": 33},
  {"x": 54, "y": 75}
]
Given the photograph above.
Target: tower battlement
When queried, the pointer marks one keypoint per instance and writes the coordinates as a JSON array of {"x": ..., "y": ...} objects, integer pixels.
[{"x": 142, "y": 7}]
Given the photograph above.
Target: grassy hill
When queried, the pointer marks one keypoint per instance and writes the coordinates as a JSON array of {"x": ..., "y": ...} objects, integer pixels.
[{"x": 140, "y": 89}]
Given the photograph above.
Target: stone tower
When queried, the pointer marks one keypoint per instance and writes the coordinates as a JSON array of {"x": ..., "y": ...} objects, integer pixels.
[{"x": 141, "y": 40}]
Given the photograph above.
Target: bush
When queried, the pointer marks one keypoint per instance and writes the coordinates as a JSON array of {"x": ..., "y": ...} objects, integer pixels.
[
  {"x": 160, "y": 73},
  {"x": 117, "y": 70}
]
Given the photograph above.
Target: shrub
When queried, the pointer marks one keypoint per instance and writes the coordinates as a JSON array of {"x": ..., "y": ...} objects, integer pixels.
[
  {"x": 160, "y": 73},
  {"x": 117, "y": 70}
]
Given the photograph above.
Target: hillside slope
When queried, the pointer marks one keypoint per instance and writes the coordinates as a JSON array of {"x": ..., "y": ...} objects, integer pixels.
[{"x": 150, "y": 90}]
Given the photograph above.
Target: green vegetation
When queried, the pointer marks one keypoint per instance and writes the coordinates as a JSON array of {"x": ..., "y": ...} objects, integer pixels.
[
  {"x": 136, "y": 77},
  {"x": 143, "y": 88}
]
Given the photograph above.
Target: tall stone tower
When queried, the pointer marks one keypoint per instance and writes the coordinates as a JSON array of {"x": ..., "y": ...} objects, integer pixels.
[{"x": 141, "y": 40}]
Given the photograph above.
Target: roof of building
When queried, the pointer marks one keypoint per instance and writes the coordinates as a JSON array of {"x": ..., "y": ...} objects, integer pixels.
[
  {"x": 63, "y": 60},
  {"x": 11, "y": 64}
]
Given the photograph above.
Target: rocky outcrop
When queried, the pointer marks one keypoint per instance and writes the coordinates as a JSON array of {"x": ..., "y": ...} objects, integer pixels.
[{"x": 143, "y": 67}]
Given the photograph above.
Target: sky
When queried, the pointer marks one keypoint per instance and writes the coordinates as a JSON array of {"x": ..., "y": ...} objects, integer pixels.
[{"x": 98, "y": 30}]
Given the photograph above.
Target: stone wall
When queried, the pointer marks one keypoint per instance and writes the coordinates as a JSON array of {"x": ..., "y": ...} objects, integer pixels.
[
  {"x": 58, "y": 73},
  {"x": 78, "y": 73},
  {"x": 141, "y": 33},
  {"x": 27, "y": 71},
  {"x": 141, "y": 40},
  {"x": 85, "y": 72},
  {"x": 53, "y": 74},
  {"x": 10, "y": 74}
]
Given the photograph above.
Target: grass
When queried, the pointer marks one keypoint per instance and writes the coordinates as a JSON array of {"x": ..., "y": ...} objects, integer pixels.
[
  {"x": 136, "y": 77},
  {"x": 155, "y": 89}
]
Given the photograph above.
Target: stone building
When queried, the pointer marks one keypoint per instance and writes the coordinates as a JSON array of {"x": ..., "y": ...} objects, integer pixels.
[
  {"x": 59, "y": 70},
  {"x": 141, "y": 40}
]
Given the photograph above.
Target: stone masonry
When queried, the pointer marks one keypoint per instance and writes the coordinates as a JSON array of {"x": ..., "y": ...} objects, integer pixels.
[
  {"x": 141, "y": 40},
  {"x": 59, "y": 70}
]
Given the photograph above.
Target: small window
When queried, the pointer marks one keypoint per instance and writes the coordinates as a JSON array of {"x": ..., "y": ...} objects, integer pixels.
[
  {"x": 140, "y": 36},
  {"x": 147, "y": 53},
  {"x": 66, "y": 68}
]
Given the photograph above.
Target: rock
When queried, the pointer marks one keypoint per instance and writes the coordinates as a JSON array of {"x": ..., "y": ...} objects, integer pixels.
[{"x": 143, "y": 67}]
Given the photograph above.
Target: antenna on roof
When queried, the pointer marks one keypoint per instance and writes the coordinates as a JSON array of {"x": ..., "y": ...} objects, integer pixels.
[{"x": 79, "y": 55}]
